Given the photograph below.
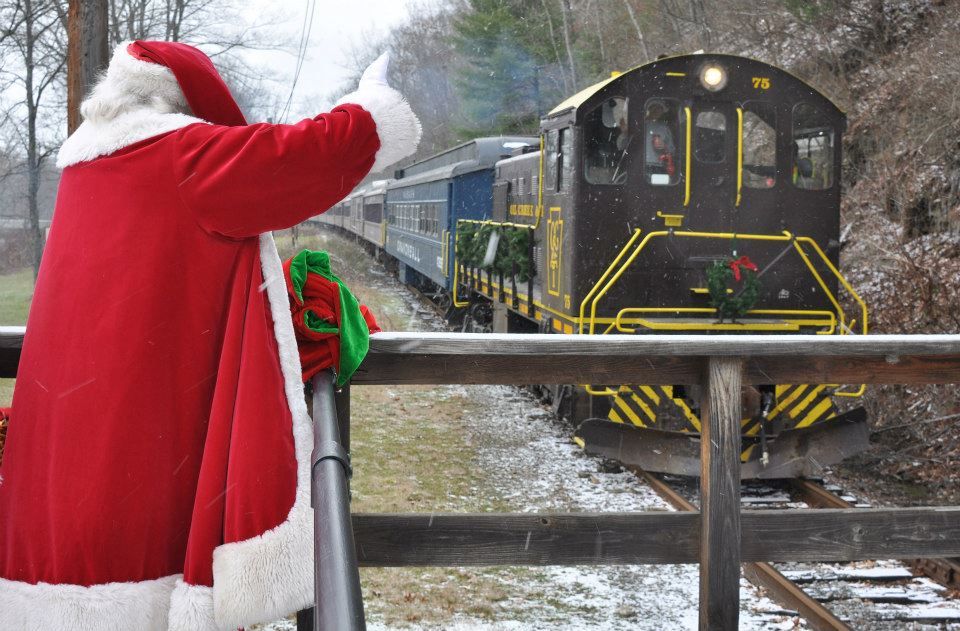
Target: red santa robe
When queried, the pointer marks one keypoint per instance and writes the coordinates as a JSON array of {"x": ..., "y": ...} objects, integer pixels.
[{"x": 156, "y": 473}]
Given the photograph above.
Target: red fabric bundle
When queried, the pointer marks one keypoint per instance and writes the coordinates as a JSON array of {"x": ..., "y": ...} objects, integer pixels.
[{"x": 319, "y": 351}]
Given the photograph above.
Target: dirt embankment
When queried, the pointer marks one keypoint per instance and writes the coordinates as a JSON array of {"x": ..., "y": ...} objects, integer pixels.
[{"x": 894, "y": 67}]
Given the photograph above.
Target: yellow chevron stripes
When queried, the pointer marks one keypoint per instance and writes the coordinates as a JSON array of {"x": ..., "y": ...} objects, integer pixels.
[
  {"x": 627, "y": 410},
  {"x": 803, "y": 405}
]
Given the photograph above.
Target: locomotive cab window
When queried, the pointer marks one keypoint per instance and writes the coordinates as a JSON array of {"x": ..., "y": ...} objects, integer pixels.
[
  {"x": 813, "y": 148},
  {"x": 606, "y": 140},
  {"x": 661, "y": 163},
  {"x": 759, "y": 145},
  {"x": 710, "y": 129},
  {"x": 551, "y": 149}
]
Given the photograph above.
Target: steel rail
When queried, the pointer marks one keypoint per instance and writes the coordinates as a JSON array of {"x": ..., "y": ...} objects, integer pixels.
[
  {"x": 944, "y": 571},
  {"x": 780, "y": 589}
]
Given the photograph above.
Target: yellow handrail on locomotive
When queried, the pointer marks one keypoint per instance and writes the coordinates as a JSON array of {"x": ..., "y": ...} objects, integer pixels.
[
  {"x": 687, "y": 174},
  {"x": 594, "y": 296},
  {"x": 786, "y": 236},
  {"x": 739, "y": 154},
  {"x": 583, "y": 304},
  {"x": 829, "y": 323}
]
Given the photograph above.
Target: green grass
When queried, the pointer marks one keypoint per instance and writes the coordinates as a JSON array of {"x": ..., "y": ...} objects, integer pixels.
[{"x": 16, "y": 291}]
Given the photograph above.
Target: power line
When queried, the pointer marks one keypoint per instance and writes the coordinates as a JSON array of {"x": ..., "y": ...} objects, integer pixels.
[{"x": 305, "y": 31}]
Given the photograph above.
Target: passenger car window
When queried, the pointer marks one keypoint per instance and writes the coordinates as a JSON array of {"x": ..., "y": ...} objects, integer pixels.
[
  {"x": 813, "y": 148},
  {"x": 661, "y": 163},
  {"x": 759, "y": 145},
  {"x": 710, "y": 130},
  {"x": 606, "y": 140}
]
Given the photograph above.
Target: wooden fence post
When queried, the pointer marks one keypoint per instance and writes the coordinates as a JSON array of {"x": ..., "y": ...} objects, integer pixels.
[{"x": 720, "y": 412}]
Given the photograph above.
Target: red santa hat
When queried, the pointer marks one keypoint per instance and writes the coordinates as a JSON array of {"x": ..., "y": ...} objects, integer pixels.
[
  {"x": 205, "y": 91},
  {"x": 161, "y": 77},
  {"x": 149, "y": 88}
]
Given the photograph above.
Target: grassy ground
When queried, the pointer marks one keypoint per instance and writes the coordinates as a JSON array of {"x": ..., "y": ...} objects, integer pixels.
[
  {"x": 16, "y": 290},
  {"x": 406, "y": 461}
]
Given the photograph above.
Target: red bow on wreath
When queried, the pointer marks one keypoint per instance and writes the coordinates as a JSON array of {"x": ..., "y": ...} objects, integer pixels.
[{"x": 745, "y": 263}]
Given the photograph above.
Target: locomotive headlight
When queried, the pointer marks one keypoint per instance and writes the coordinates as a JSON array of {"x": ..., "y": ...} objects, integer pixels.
[{"x": 713, "y": 77}]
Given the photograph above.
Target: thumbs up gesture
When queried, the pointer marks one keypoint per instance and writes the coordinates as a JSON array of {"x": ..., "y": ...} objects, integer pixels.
[
  {"x": 397, "y": 125},
  {"x": 376, "y": 73}
]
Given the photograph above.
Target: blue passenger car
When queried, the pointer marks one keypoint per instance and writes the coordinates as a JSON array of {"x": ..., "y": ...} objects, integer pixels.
[{"x": 428, "y": 197}]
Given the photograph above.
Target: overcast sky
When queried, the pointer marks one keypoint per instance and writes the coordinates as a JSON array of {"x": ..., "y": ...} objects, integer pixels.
[{"x": 337, "y": 26}]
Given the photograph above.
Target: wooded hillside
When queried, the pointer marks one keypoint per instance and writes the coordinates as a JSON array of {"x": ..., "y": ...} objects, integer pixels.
[{"x": 475, "y": 67}]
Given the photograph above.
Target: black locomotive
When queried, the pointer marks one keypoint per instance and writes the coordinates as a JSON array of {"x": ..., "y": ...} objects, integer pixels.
[{"x": 694, "y": 194}]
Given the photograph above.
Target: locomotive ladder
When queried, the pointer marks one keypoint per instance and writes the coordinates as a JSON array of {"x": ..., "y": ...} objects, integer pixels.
[{"x": 719, "y": 537}]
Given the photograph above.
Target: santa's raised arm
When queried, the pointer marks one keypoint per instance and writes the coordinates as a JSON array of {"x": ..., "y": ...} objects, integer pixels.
[{"x": 156, "y": 472}]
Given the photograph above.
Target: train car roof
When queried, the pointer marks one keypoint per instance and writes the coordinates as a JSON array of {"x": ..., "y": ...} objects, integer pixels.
[
  {"x": 488, "y": 151},
  {"x": 575, "y": 102},
  {"x": 474, "y": 154},
  {"x": 378, "y": 186}
]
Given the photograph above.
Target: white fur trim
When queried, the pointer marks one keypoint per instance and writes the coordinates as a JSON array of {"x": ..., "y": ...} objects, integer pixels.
[
  {"x": 397, "y": 126},
  {"x": 256, "y": 580},
  {"x": 139, "y": 606},
  {"x": 132, "y": 102},
  {"x": 191, "y": 609},
  {"x": 270, "y": 576},
  {"x": 92, "y": 140}
]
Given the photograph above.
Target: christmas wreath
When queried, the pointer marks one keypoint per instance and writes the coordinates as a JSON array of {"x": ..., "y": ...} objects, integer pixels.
[
  {"x": 513, "y": 248},
  {"x": 733, "y": 286}
]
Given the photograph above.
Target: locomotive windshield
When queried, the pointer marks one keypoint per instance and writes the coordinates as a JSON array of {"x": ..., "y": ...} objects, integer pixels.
[
  {"x": 711, "y": 128},
  {"x": 813, "y": 148},
  {"x": 759, "y": 145},
  {"x": 661, "y": 161},
  {"x": 606, "y": 142}
]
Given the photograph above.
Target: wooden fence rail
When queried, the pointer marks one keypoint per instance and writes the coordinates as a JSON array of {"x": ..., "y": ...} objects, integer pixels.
[{"x": 719, "y": 537}]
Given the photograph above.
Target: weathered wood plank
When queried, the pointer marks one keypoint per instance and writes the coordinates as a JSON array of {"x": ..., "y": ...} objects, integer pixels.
[
  {"x": 379, "y": 368},
  {"x": 510, "y": 369},
  {"x": 720, "y": 494},
  {"x": 668, "y": 345},
  {"x": 650, "y": 537},
  {"x": 439, "y": 358}
]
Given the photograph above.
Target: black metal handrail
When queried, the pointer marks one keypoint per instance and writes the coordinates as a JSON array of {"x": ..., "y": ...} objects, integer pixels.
[{"x": 339, "y": 601}]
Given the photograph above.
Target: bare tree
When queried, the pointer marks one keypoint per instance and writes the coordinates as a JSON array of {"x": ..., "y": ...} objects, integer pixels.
[
  {"x": 636, "y": 25},
  {"x": 565, "y": 12},
  {"x": 32, "y": 44}
]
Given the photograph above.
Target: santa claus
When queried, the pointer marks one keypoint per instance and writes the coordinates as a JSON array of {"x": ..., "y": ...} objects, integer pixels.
[{"x": 156, "y": 473}]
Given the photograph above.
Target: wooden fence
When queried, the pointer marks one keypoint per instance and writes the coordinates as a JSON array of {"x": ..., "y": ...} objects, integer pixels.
[{"x": 719, "y": 537}]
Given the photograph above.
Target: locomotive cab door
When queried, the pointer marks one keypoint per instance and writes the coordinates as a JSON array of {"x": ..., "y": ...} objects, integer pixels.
[{"x": 711, "y": 169}]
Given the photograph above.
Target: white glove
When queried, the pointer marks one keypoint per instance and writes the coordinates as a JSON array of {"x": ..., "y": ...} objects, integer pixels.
[
  {"x": 376, "y": 73},
  {"x": 397, "y": 125}
]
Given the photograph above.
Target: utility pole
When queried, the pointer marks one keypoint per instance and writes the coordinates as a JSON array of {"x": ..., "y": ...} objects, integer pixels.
[{"x": 87, "y": 52}]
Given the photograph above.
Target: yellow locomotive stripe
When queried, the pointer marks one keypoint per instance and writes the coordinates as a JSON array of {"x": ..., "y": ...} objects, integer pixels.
[
  {"x": 654, "y": 397},
  {"x": 789, "y": 399},
  {"x": 613, "y": 416},
  {"x": 745, "y": 454},
  {"x": 805, "y": 403},
  {"x": 825, "y": 404},
  {"x": 750, "y": 426},
  {"x": 680, "y": 403},
  {"x": 643, "y": 406},
  {"x": 634, "y": 418}
]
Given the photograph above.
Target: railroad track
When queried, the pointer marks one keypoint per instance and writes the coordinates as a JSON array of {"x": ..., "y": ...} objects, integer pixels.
[
  {"x": 944, "y": 571},
  {"x": 901, "y": 601},
  {"x": 783, "y": 584}
]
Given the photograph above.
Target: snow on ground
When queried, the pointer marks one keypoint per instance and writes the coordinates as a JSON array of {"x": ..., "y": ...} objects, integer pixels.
[
  {"x": 533, "y": 466},
  {"x": 527, "y": 462}
]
